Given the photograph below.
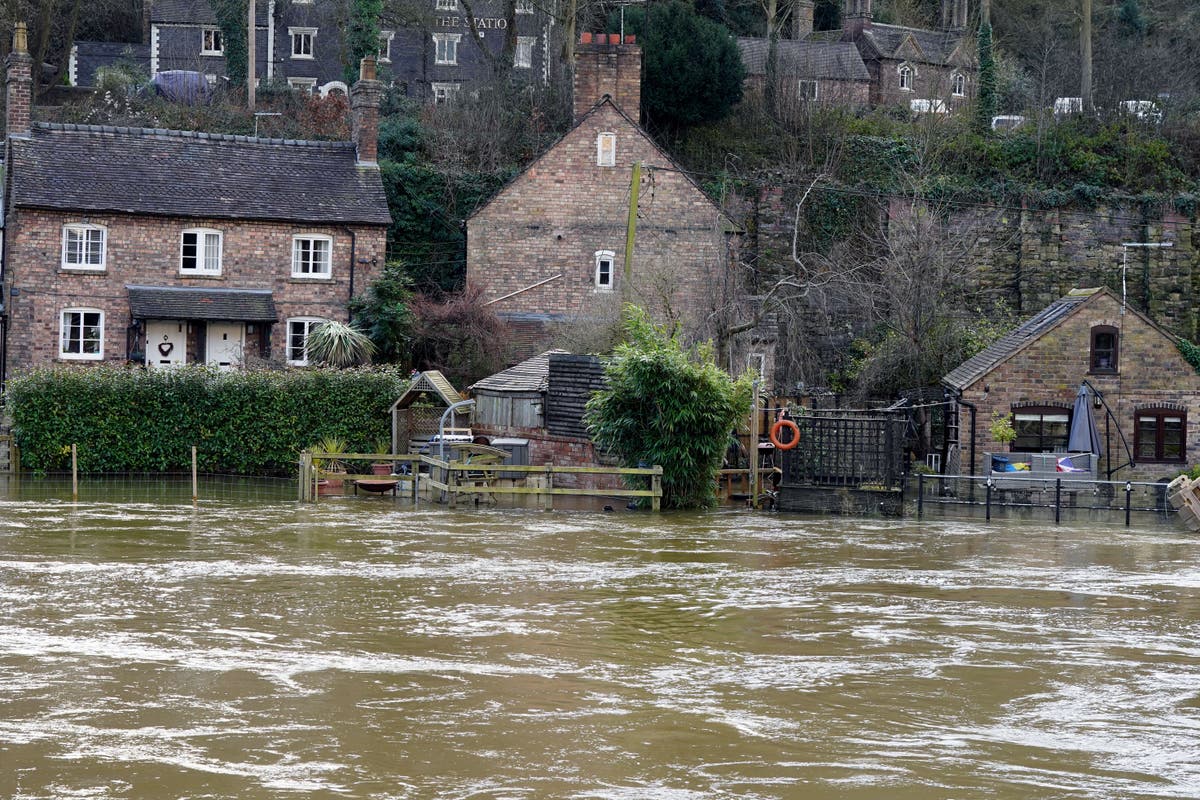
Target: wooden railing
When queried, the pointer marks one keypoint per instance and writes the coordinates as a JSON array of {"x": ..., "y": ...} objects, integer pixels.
[
  {"x": 453, "y": 478},
  {"x": 12, "y": 463}
]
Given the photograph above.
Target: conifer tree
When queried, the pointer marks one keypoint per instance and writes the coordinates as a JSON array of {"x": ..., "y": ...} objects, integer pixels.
[{"x": 986, "y": 104}]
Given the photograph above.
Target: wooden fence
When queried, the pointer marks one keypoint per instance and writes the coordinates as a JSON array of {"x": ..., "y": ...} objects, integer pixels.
[{"x": 452, "y": 479}]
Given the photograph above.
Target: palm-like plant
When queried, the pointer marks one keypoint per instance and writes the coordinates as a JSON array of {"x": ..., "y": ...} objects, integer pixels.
[{"x": 336, "y": 344}]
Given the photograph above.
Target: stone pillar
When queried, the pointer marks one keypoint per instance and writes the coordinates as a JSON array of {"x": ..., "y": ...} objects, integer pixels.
[
  {"x": 606, "y": 66},
  {"x": 365, "y": 98},
  {"x": 19, "y": 81}
]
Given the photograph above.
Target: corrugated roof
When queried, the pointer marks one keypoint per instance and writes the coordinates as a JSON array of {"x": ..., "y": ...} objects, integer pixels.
[
  {"x": 1008, "y": 345},
  {"x": 233, "y": 305},
  {"x": 807, "y": 58},
  {"x": 193, "y": 174},
  {"x": 531, "y": 375}
]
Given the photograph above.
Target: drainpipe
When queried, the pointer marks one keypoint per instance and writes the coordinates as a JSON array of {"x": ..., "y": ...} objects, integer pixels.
[
  {"x": 353, "y": 261},
  {"x": 959, "y": 399}
]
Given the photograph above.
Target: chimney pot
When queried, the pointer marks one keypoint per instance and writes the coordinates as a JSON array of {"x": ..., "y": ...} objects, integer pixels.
[
  {"x": 630, "y": 39},
  {"x": 585, "y": 38},
  {"x": 366, "y": 69},
  {"x": 614, "y": 38},
  {"x": 20, "y": 39},
  {"x": 19, "y": 85}
]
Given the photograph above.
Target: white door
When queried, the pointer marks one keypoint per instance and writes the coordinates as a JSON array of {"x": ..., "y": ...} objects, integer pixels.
[
  {"x": 166, "y": 343},
  {"x": 226, "y": 344}
]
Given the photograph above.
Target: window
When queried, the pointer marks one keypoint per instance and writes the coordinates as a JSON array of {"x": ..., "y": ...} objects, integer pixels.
[
  {"x": 524, "y": 55},
  {"x": 312, "y": 256},
  {"x": 201, "y": 252},
  {"x": 306, "y": 85},
  {"x": 385, "y": 46},
  {"x": 298, "y": 330},
  {"x": 1160, "y": 435},
  {"x": 606, "y": 150},
  {"x": 1041, "y": 430},
  {"x": 906, "y": 78},
  {"x": 446, "y": 48},
  {"x": 302, "y": 41},
  {"x": 81, "y": 335},
  {"x": 958, "y": 84},
  {"x": 604, "y": 270},
  {"x": 83, "y": 247},
  {"x": 446, "y": 5},
  {"x": 807, "y": 90},
  {"x": 210, "y": 44},
  {"x": 524, "y": 6},
  {"x": 444, "y": 92},
  {"x": 1104, "y": 349}
]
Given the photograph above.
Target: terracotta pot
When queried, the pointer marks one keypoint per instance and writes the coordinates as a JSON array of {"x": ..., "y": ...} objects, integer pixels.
[
  {"x": 327, "y": 486},
  {"x": 381, "y": 468}
]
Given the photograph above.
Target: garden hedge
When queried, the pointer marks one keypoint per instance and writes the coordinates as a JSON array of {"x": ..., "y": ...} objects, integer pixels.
[{"x": 252, "y": 422}]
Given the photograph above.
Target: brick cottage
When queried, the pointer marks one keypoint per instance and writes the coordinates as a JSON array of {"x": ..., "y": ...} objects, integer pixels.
[{"x": 170, "y": 247}]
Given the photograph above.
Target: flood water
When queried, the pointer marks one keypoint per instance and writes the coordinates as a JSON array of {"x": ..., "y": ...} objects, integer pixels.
[{"x": 361, "y": 649}]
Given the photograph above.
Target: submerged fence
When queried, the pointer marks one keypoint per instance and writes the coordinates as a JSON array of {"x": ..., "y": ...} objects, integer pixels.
[{"x": 1061, "y": 497}]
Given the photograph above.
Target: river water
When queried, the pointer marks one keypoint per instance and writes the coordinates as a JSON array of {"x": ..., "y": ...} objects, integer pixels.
[{"x": 361, "y": 649}]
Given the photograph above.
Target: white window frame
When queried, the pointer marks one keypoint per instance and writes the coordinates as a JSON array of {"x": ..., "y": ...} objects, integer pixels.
[
  {"x": 298, "y": 36},
  {"x": 523, "y": 55},
  {"x": 601, "y": 257},
  {"x": 63, "y": 327},
  {"x": 958, "y": 84},
  {"x": 444, "y": 92},
  {"x": 445, "y": 48},
  {"x": 385, "y": 46},
  {"x": 308, "y": 268},
  {"x": 905, "y": 74},
  {"x": 524, "y": 6},
  {"x": 810, "y": 85},
  {"x": 203, "y": 266},
  {"x": 309, "y": 323},
  {"x": 86, "y": 231},
  {"x": 606, "y": 149},
  {"x": 445, "y": 5},
  {"x": 307, "y": 85},
  {"x": 210, "y": 36}
]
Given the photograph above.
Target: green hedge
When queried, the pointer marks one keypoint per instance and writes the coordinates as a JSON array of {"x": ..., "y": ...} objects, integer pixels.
[{"x": 130, "y": 419}]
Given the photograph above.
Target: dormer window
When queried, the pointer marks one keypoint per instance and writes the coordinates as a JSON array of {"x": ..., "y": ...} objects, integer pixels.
[
  {"x": 606, "y": 150},
  {"x": 1104, "y": 350},
  {"x": 905, "y": 73}
]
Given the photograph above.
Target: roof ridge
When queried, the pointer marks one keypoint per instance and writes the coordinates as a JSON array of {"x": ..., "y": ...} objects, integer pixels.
[{"x": 73, "y": 127}]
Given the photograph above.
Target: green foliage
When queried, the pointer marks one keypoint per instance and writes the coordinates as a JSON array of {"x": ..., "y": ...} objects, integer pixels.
[
  {"x": 361, "y": 35},
  {"x": 338, "y": 345},
  {"x": 663, "y": 405},
  {"x": 1190, "y": 352},
  {"x": 231, "y": 18},
  {"x": 831, "y": 217},
  {"x": 693, "y": 69},
  {"x": 1002, "y": 429},
  {"x": 987, "y": 101},
  {"x": 385, "y": 316},
  {"x": 242, "y": 422}
]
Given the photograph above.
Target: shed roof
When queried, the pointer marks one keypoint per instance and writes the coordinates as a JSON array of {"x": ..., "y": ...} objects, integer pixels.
[
  {"x": 194, "y": 174},
  {"x": 173, "y": 302},
  {"x": 430, "y": 382},
  {"x": 531, "y": 375},
  {"x": 807, "y": 58}
]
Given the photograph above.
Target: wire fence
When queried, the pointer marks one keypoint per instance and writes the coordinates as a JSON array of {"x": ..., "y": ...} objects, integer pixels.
[{"x": 166, "y": 488}]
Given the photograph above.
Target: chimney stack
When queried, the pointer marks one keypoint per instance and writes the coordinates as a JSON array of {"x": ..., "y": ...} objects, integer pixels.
[
  {"x": 802, "y": 19},
  {"x": 147, "y": 27},
  {"x": 954, "y": 15},
  {"x": 19, "y": 81},
  {"x": 856, "y": 18},
  {"x": 365, "y": 97},
  {"x": 604, "y": 65}
]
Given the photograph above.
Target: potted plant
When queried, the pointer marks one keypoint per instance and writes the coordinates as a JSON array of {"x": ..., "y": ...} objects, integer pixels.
[
  {"x": 330, "y": 448},
  {"x": 382, "y": 467},
  {"x": 1002, "y": 428}
]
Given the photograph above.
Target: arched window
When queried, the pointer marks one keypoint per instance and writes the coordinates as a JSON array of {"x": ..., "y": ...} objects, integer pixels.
[
  {"x": 958, "y": 84},
  {"x": 605, "y": 259},
  {"x": 905, "y": 72},
  {"x": 1105, "y": 341}
]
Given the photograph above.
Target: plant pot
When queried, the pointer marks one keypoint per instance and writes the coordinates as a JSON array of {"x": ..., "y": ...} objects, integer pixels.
[
  {"x": 381, "y": 468},
  {"x": 328, "y": 486}
]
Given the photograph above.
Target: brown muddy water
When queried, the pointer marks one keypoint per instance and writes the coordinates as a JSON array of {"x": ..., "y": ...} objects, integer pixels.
[{"x": 258, "y": 648}]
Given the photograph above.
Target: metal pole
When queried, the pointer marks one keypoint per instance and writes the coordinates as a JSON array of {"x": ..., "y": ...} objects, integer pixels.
[
  {"x": 988, "y": 500},
  {"x": 920, "y": 494},
  {"x": 1057, "y": 500},
  {"x": 195, "y": 486},
  {"x": 1128, "y": 495},
  {"x": 250, "y": 56},
  {"x": 74, "y": 472},
  {"x": 754, "y": 446}
]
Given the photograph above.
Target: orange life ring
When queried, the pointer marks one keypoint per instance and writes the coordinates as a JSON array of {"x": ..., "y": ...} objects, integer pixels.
[{"x": 780, "y": 425}]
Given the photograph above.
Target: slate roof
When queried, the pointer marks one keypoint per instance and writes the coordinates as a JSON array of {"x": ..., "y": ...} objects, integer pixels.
[
  {"x": 806, "y": 57},
  {"x": 91, "y": 56},
  {"x": 1008, "y": 345},
  {"x": 192, "y": 174},
  {"x": 531, "y": 375},
  {"x": 231, "y": 305},
  {"x": 938, "y": 46},
  {"x": 194, "y": 12}
]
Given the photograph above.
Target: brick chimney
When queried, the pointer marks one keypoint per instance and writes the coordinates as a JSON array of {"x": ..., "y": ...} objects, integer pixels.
[
  {"x": 856, "y": 18},
  {"x": 365, "y": 97},
  {"x": 147, "y": 27},
  {"x": 604, "y": 65},
  {"x": 954, "y": 15},
  {"x": 802, "y": 18},
  {"x": 19, "y": 80}
]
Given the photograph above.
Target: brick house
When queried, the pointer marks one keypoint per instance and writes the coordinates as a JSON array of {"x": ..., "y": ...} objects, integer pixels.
[
  {"x": 550, "y": 247},
  {"x": 169, "y": 247},
  {"x": 1150, "y": 393},
  {"x": 915, "y": 68},
  {"x": 826, "y": 73},
  {"x": 300, "y": 42}
]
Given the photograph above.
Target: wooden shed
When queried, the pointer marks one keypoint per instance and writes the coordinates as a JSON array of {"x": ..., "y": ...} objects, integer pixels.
[
  {"x": 416, "y": 415},
  {"x": 516, "y": 397}
]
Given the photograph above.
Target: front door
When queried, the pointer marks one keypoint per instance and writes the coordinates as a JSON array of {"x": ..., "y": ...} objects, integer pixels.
[
  {"x": 226, "y": 344},
  {"x": 166, "y": 343}
]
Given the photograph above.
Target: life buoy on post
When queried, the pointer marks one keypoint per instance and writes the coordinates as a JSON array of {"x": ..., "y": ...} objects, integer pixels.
[{"x": 781, "y": 425}]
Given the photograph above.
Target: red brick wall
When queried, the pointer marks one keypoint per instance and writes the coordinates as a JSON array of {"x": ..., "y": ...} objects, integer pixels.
[
  {"x": 930, "y": 81},
  {"x": 554, "y": 218},
  {"x": 146, "y": 251},
  {"x": 608, "y": 69},
  {"x": 1050, "y": 370}
]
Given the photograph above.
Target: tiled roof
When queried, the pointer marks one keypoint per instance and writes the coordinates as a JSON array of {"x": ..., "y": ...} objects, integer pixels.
[
  {"x": 937, "y": 46},
  {"x": 531, "y": 375},
  {"x": 191, "y": 174},
  {"x": 989, "y": 358},
  {"x": 806, "y": 57},
  {"x": 194, "y": 12},
  {"x": 169, "y": 302}
]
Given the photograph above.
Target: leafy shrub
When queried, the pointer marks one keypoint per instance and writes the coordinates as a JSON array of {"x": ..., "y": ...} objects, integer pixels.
[{"x": 129, "y": 419}]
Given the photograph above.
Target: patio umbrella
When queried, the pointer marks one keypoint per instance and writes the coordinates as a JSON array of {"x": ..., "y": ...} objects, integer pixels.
[{"x": 1083, "y": 437}]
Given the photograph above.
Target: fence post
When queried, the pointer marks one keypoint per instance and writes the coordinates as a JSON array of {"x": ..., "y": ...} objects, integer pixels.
[
  {"x": 548, "y": 499},
  {"x": 1057, "y": 500},
  {"x": 414, "y": 471},
  {"x": 74, "y": 472},
  {"x": 452, "y": 484},
  {"x": 305, "y": 482},
  {"x": 988, "y": 501},
  {"x": 1128, "y": 496},
  {"x": 656, "y": 485},
  {"x": 195, "y": 486},
  {"x": 920, "y": 494}
]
